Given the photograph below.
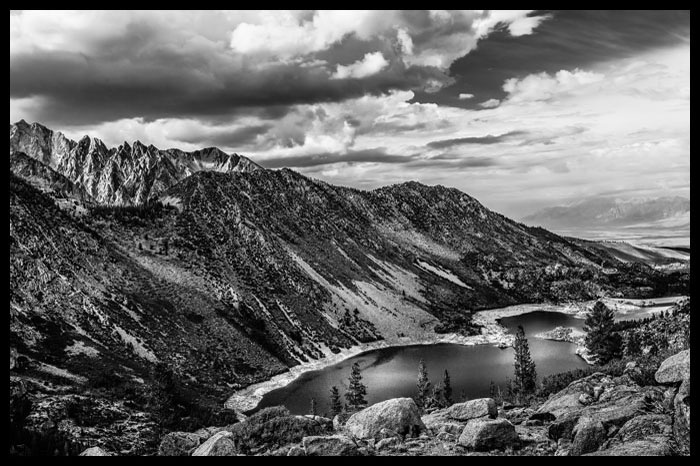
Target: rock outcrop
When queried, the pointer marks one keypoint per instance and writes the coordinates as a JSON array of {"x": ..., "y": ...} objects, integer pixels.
[
  {"x": 675, "y": 369},
  {"x": 399, "y": 415},
  {"x": 452, "y": 419},
  {"x": 488, "y": 434},
  {"x": 620, "y": 399}
]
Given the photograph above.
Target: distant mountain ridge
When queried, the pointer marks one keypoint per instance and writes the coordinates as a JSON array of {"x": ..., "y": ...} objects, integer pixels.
[
  {"x": 129, "y": 174},
  {"x": 612, "y": 212}
]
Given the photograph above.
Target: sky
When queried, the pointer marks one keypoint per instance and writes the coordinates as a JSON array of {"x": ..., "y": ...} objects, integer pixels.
[{"x": 520, "y": 109}]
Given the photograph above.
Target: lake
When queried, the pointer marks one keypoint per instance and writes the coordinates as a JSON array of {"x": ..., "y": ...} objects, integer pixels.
[{"x": 392, "y": 372}]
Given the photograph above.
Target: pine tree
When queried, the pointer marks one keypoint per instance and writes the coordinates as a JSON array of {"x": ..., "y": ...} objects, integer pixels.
[
  {"x": 312, "y": 409},
  {"x": 447, "y": 388},
  {"x": 335, "y": 404},
  {"x": 525, "y": 373},
  {"x": 355, "y": 395},
  {"x": 633, "y": 345},
  {"x": 601, "y": 341},
  {"x": 437, "y": 397},
  {"x": 423, "y": 385}
]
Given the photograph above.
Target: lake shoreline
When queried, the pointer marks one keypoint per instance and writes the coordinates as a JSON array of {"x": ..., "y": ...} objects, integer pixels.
[{"x": 492, "y": 333}]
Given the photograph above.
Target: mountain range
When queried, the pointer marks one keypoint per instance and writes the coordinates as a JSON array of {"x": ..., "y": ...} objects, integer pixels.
[
  {"x": 227, "y": 273},
  {"x": 609, "y": 212}
]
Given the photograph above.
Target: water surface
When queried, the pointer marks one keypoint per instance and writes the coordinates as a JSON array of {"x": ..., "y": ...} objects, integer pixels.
[{"x": 392, "y": 372}]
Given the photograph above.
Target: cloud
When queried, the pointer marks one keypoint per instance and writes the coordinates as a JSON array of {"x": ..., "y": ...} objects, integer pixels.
[
  {"x": 488, "y": 139},
  {"x": 464, "y": 96},
  {"x": 543, "y": 86},
  {"x": 79, "y": 67},
  {"x": 491, "y": 103},
  {"x": 375, "y": 155},
  {"x": 371, "y": 63}
]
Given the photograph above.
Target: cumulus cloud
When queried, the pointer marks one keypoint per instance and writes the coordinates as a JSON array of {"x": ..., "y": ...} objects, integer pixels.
[
  {"x": 543, "y": 86},
  {"x": 465, "y": 96},
  {"x": 371, "y": 63},
  {"x": 491, "y": 103}
]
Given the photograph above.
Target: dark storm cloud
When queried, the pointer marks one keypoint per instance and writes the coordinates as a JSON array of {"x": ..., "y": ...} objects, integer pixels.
[
  {"x": 378, "y": 155},
  {"x": 568, "y": 40},
  {"x": 489, "y": 139},
  {"x": 122, "y": 79}
]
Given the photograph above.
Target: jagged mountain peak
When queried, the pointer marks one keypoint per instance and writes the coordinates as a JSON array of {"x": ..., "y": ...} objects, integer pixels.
[{"x": 129, "y": 174}]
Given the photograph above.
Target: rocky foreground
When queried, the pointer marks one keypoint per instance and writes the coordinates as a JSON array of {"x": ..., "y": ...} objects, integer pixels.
[{"x": 595, "y": 415}]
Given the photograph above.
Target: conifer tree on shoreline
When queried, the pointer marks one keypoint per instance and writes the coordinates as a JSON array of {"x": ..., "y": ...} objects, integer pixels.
[
  {"x": 355, "y": 395},
  {"x": 423, "y": 385},
  {"x": 447, "y": 388},
  {"x": 602, "y": 342},
  {"x": 525, "y": 381},
  {"x": 335, "y": 403}
]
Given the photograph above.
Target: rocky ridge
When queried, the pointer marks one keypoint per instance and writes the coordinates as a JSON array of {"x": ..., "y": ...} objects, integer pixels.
[{"x": 129, "y": 174}]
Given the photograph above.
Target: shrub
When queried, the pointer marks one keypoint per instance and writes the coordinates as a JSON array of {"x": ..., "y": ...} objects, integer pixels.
[{"x": 272, "y": 428}]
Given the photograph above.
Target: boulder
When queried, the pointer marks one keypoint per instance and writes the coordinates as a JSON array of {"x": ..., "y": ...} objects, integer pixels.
[
  {"x": 95, "y": 451},
  {"x": 589, "y": 435},
  {"x": 674, "y": 369},
  {"x": 331, "y": 445},
  {"x": 473, "y": 409},
  {"x": 488, "y": 434},
  {"x": 438, "y": 421},
  {"x": 219, "y": 444},
  {"x": 400, "y": 415},
  {"x": 178, "y": 444},
  {"x": 568, "y": 398},
  {"x": 681, "y": 417}
]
